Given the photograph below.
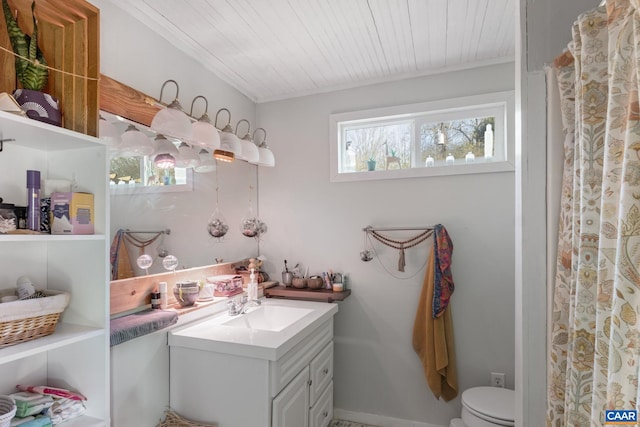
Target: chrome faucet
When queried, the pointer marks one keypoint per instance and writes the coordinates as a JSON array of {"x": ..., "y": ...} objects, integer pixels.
[{"x": 240, "y": 305}]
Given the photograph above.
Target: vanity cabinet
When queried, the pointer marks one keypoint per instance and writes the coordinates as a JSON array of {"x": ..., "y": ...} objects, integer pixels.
[
  {"x": 76, "y": 355},
  {"x": 294, "y": 390}
]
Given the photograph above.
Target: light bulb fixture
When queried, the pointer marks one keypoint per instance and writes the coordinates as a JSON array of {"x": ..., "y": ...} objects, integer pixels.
[
  {"x": 223, "y": 156},
  {"x": 165, "y": 153},
  {"x": 206, "y": 164},
  {"x": 165, "y": 161},
  {"x": 172, "y": 120},
  {"x": 266, "y": 157},
  {"x": 187, "y": 156},
  {"x": 248, "y": 150},
  {"x": 109, "y": 133},
  {"x": 107, "y": 130},
  {"x": 203, "y": 132},
  {"x": 135, "y": 143},
  {"x": 228, "y": 140}
]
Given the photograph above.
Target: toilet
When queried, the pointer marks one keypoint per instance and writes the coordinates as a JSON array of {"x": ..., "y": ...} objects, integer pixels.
[{"x": 486, "y": 407}]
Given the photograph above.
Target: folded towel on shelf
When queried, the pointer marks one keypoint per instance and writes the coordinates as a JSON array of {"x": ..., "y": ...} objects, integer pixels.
[
  {"x": 443, "y": 279},
  {"x": 64, "y": 409},
  {"x": 131, "y": 326},
  {"x": 31, "y": 421},
  {"x": 433, "y": 340}
]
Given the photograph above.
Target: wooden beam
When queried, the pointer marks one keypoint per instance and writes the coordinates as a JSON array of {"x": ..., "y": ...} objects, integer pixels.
[{"x": 127, "y": 102}]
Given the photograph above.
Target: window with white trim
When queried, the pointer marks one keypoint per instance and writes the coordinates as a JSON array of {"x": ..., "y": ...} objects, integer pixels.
[{"x": 455, "y": 136}]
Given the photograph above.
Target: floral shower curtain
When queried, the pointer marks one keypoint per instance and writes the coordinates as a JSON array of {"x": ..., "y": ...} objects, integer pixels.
[{"x": 595, "y": 332}]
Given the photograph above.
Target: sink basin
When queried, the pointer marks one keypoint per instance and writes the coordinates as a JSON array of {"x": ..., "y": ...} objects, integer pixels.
[
  {"x": 264, "y": 332},
  {"x": 268, "y": 318}
]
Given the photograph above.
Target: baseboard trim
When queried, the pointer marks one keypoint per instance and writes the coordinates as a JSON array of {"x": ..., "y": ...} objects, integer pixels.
[{"x": 376, "y": 420}]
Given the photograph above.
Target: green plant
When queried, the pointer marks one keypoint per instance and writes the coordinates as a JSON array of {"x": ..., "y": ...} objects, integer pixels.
[{"x": 31, "y": 72}]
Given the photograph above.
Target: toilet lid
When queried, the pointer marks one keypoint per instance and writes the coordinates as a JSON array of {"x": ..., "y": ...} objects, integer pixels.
[{"x": 493, "y": 404}]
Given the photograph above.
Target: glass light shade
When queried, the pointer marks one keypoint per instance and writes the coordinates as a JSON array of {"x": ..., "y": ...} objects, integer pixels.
[
  {"x": 249, "y": 150},
  {"x": 165, "y": 153},
  {"x": 164, "y": 146},
  {"x": 206, "y": 164},
  {"x": 172, "y": 121},
  {"x": 229, "y": 141},
  {"x": 266, "y": 157},
  {"x": 204, "y": 134},
  {"x": 107, "y": 130},
  {"x": 224, "y": 156},
  {"x": 135, "y": 143},
  {"x": 165, "y": 161},
  {"x": 187, "y": 156}
]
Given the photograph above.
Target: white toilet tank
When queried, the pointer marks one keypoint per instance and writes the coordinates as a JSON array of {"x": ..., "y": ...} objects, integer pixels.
[{"x": 487, "y": 407}]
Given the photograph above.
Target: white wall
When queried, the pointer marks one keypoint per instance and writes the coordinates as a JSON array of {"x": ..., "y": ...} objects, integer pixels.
[
  {"x": 135, "y": 56},
  {"x": 318, "y": 224}
]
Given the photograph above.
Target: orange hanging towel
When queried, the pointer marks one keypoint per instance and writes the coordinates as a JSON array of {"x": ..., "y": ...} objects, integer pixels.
[
  {"x": 120, "y": 263},
  {"x": 433, "y": 340}
]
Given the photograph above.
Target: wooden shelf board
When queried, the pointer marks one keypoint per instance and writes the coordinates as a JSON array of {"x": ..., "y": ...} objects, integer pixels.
[{"x": 306, "y": 294}]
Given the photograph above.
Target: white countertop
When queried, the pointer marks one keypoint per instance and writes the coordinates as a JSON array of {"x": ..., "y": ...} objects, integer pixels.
[{"x": 213, "y": 335}]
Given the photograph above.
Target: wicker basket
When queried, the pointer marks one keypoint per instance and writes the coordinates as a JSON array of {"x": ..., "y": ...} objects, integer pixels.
[
  {"x": 7, "y": 410},
  {"x": 26, "y": 320}
]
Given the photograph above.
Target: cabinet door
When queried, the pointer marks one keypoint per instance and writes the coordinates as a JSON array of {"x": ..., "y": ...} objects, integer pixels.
[{"x": 290, "y": 408}]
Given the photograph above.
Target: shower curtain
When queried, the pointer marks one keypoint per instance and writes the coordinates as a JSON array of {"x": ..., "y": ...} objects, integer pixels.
[{"x": 594, "y": 348}]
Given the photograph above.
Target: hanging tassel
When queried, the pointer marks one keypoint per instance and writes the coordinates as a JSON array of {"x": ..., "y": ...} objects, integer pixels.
[{"x": 401, "y": 263}]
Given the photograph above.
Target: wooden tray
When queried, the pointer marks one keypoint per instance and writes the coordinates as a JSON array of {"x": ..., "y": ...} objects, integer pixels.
[{"x": 306, "y": 294}]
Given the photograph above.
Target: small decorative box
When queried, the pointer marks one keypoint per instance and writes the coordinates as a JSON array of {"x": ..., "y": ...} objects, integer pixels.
[{"x": 226, "y": 285}]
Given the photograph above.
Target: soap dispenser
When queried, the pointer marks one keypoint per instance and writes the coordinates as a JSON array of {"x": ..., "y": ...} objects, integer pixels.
[{"x": 252, "y": 288}]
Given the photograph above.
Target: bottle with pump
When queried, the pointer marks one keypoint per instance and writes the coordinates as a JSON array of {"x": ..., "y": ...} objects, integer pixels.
[
  {"x": 33, "y": 202},
  {"x": 252, "y": 287}
]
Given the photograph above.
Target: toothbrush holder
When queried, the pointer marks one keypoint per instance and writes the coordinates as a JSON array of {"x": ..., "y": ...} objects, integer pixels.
[{"x": 287, "y": 278}]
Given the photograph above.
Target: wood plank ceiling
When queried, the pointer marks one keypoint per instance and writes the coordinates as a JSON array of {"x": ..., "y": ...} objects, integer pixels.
[{"x": 277, "y": 49}]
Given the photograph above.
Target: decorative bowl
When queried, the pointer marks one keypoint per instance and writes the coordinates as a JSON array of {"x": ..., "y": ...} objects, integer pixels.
[
  {"x": 299, "y": 282},
  {"x": 186, "y": 296},
  {"x": 315, "y": 282}
]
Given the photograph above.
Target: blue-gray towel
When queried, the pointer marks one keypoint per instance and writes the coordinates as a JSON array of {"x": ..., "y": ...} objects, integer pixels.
[{"x": 135, "y": 325}]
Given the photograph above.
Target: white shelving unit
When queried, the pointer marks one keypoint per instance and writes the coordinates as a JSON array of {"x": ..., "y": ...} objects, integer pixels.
[{"x": 76, "y": 355}]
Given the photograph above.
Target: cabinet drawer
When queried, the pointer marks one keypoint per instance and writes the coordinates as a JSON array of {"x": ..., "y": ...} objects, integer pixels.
[
  {"x": 321, "y": 371},
  {"x": 321, "y": 413}
]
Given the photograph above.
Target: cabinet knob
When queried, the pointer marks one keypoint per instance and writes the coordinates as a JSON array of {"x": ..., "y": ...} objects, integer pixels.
[
  {"x": 310, "y": 382},
  {"x": 325, "y": 371},
  {"x": 325, "y": 413}
]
